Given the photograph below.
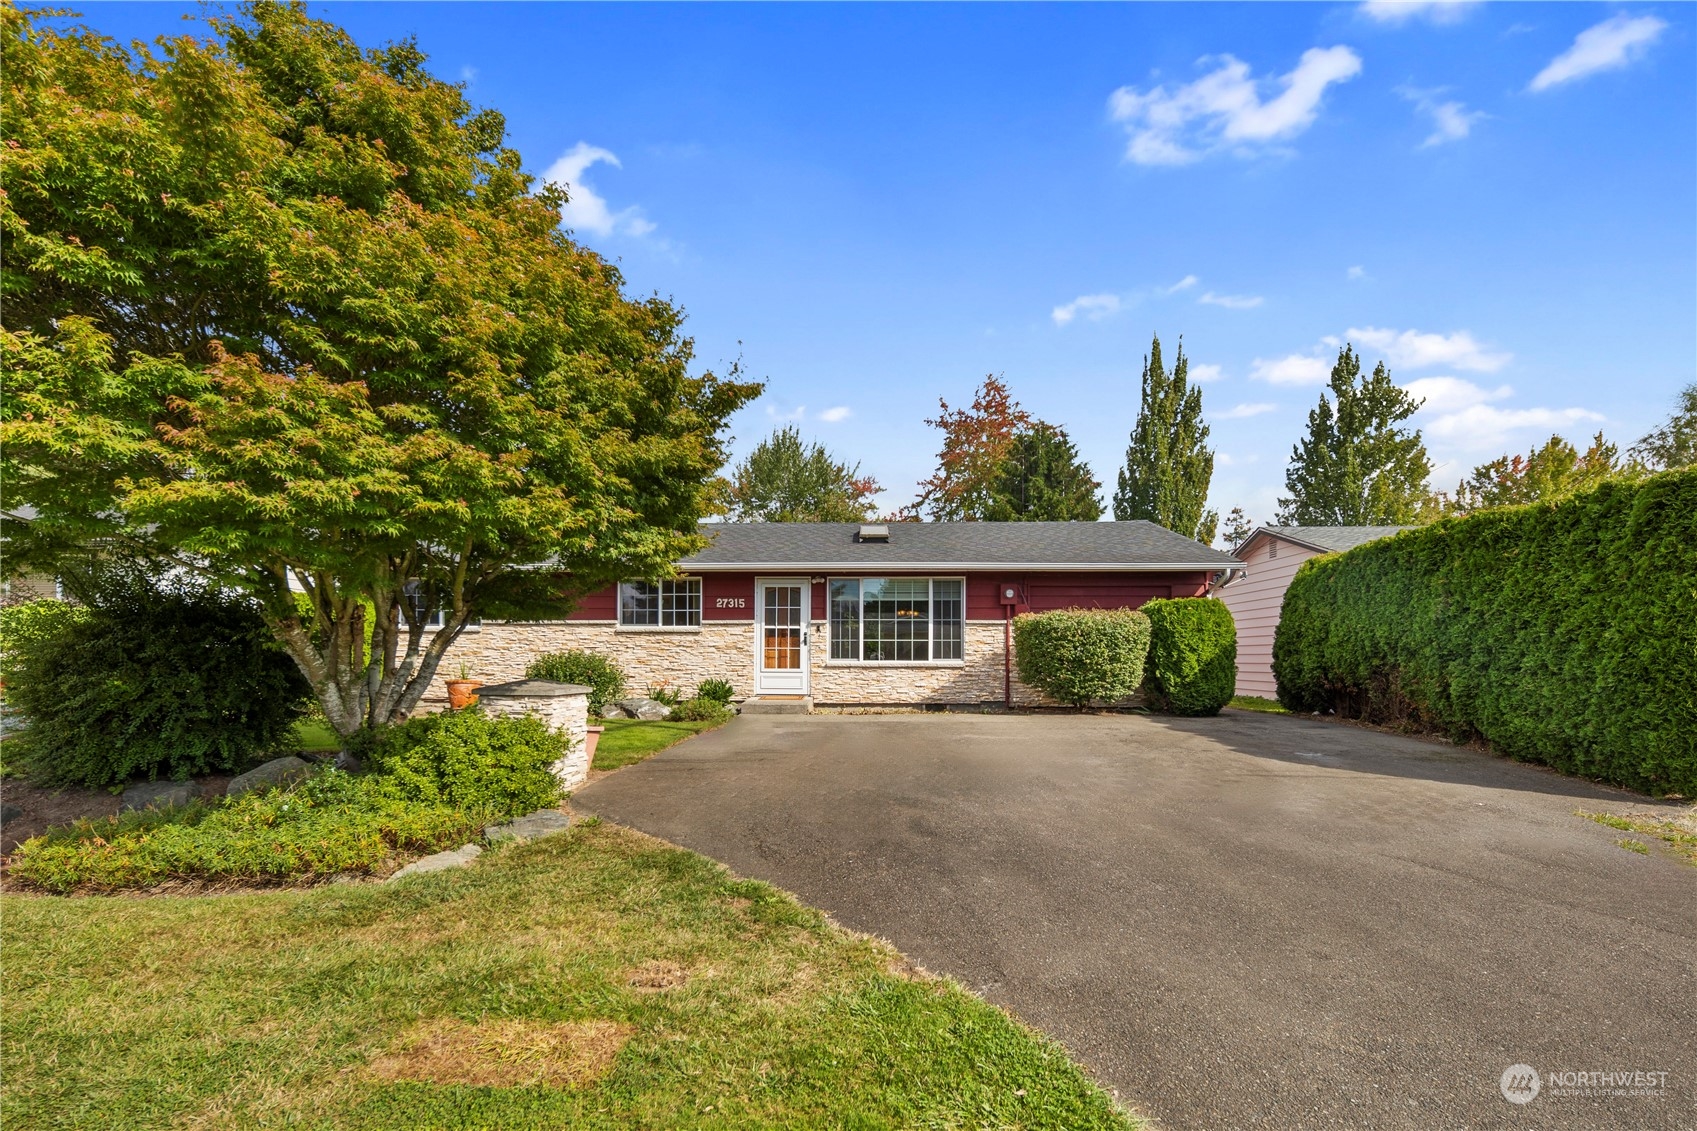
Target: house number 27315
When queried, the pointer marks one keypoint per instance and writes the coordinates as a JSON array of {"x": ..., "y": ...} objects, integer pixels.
[{"x": 730, "y": 602}]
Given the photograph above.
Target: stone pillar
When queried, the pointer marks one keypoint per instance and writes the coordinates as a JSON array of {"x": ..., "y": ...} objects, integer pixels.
[{"x": 563, "y": 707}]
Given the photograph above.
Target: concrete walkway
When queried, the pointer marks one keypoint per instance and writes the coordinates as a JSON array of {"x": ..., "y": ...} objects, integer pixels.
[{"x": 1248, "y": 921}]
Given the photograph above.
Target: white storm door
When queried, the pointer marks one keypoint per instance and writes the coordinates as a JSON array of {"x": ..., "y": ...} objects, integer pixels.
[{"x": 782, "y": 607}]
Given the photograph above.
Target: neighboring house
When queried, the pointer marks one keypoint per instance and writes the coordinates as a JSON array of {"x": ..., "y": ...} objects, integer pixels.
[
  {"x": 840, "y": 613},
  {"x": 1271, "y": 556}
]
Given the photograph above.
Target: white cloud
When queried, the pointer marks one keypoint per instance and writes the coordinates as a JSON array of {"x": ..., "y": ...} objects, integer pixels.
[
  {"x": 468, "y": 74},
  {"x": 1093, "y": 307},
  {"x": 1202, "y": 374},
  {"x": 1239, "y": 412},
  {"x": 1231, "y": 302},
  {"x": 1451, "y": 120},
  {"x": 1183, "y": 284},
  {"x": 1449, "y": 394},
  {"x": 836, "y": 415},
  {"x": 1357, "y": 272},
  {"x": 776, "y": 413},
  {"x": 1292, "y": 369},
  {"x": 1223, "y": 109},
  {"x": 1402, "y": 11},
  {"x": 587, "y": 210},
  {"x": 1413, "y": 350},
  {"x": 1613, "y": 43},
  {"x": 1487, "y": 428}
]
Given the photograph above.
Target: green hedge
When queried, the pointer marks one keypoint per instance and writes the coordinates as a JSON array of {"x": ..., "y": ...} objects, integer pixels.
[
  {"x": 156, "y": 677},
  {"x": 1563, "y": 633},
  {"x": 604, "y": 678},
  {"x": 1192, "y": 668},
  {"x": 1080, "y": 656}
]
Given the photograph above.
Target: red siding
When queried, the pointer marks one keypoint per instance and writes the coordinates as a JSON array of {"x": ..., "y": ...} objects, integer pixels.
[{"x": 1039, "y": 592}]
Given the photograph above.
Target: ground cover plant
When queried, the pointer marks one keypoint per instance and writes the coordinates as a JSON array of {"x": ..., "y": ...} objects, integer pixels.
[
  {"x": 1256, "y": 703},
  {"x": 1563, "y": 633},
  {"x": 1080, "y": 656},
  {"x": 468, "y": 760},
  {"x": 599, "y": 979},
  {"x": 332, "y": 823},
  {"x": 627, "y": 741}
]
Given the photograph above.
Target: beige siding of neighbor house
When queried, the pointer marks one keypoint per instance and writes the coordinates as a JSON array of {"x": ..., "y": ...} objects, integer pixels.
[{"x": 1254, "y": 601}]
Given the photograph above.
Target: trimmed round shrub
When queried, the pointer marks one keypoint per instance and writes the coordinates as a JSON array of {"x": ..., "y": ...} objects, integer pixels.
[
  {"x": 1192, "y": 667},
  {"x": 601, "y": 675},
  {"x": 468, "y": 760},
  {"x": 1080, "y": 656},
  {"x": 718, "y": 690},
  {"x": 698, "y": 710},
  {"x": 156, "y": 678}
]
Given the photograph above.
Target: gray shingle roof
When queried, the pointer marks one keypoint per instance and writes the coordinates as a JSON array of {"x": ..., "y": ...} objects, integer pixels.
[
  {"x": 1333, "y": 539},
  {"x": 954, "y": 545}
]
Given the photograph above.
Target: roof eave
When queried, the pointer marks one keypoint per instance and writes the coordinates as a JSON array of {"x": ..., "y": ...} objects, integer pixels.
[{"x": 957, "y": 567}]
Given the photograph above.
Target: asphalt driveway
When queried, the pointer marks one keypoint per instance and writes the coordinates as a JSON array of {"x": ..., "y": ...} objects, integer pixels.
[{"x": 1247, "y": 921}]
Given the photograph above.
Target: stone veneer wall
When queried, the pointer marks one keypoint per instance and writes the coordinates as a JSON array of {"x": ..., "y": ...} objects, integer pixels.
[
  {"x": 567, "y": 712},
  {"x": 725, "y": 650}
]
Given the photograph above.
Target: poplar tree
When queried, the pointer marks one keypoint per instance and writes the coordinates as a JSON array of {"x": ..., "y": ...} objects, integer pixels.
[
  {"x": 1356, "y": 466},
  {"x": 1168, "y": 465}
]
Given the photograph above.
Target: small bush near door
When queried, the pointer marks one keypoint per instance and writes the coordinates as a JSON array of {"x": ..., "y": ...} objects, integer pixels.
[
  {"x": 718, "y": 690},
  {"x": 601, "y": 675},
  {"x": 1192, "y": 667},
  {"x": 1081, "y": 656}
]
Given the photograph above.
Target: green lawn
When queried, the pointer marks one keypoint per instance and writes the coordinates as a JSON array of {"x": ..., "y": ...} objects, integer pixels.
[
  {"x": 1256, "y": 703},
  {"x": 315, "y": 734},
  {"x": 600, "y": 979},
  {"x": 631, "y": 740}
]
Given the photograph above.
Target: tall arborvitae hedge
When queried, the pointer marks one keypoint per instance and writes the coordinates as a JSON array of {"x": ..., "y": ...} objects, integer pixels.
[{"x": 1563, "y": 633}]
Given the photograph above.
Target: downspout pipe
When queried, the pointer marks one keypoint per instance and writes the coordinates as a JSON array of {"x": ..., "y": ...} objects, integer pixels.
[{"x": 1007, "y": 656}]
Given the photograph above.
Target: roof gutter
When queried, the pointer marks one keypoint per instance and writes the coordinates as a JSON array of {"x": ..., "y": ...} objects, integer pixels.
[{"x": 935, "y": 567}]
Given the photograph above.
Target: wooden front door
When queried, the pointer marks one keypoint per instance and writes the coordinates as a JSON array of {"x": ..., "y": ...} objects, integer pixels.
[{"x": 782, "y": 607}]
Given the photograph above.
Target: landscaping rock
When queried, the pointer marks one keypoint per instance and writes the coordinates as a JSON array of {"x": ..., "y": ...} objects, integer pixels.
[
  {"x": 9, "y": 813},
  {"x": 441, "y": 862},
  {"x": 543, "y": 822},
  {"x": 643, "y": 707},
  {"x": 275, "y": 772},
  {"x": 158, "y": 795}
]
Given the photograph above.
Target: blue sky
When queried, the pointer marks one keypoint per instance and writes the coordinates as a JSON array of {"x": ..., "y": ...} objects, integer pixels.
[{"x": 874, "y": 206}]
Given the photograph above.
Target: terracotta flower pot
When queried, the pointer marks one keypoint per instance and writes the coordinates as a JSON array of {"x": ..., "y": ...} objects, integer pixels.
[
  {"x": 460, "y": 693},
  {"x": 590, "y": 741}
]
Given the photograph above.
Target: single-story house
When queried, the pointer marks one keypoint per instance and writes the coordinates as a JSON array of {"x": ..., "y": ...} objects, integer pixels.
[
  {"x": 1255, "y": 598},
  {"x": 854, "y": 614}
]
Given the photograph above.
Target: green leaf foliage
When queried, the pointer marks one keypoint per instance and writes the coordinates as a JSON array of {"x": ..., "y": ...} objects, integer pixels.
[
  {"x": 30, "y": 622},
  {"x": 1550, "y": 472},
  {"x": 1042, "y": 479},
  {"x": 786, "y": 480},
  {"x": 604, "y": 678},
  {"x": 1081, "y": 656},
  {"x": 469, "y": 760},
  {"x": 1192, "y": 668},
  {"x": 1168, "y": 465},
  {"x": 1563, "y": 633},
  {"x": 1357, "y": 466},
  {"x": 717, "y": 690},
  {"x": 328, "y": 824},
  {"x": 699, "y": 710},
  {"x": 155, "y": 678},
  {"x": 1674, "y": 444},
  {"x": 290, "y": 313}
]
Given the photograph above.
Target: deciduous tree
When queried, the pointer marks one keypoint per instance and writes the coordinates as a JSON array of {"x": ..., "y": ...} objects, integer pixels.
[
  {"x": 1674, "y": 444},
  {"x": 976, "y": 442},
  {"x": 786, "y": 480},
  {"x": 1168, "y": 465},
  {"x": 1553, "y": 471},
  {"x": 288, "y": 314},
  {"x": 1357, "y": 466}
]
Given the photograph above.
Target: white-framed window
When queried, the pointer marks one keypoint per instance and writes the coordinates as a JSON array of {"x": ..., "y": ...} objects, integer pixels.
[
  {"x": 660, "y": 604},
  {"x": 881, "y": 620},
  {"x": 415, "y": 596}
]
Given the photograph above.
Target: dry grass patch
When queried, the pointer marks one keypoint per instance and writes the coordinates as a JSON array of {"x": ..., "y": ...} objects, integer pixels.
[
  {"x": 1678, "y": 832},
  {"x": 505, "y": 1053},
  {"x": 652, "y": 977}
]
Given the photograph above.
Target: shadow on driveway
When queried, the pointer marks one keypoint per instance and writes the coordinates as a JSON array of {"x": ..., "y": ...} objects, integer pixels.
[{"x": 1249, "y": 921}]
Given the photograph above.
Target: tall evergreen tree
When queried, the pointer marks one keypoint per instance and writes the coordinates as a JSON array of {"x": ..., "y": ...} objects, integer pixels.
[
  {"x": 1356, "y": 467},
  {"x": 786, "y": 480},
  {"x": 1168, "y": 465},
  {"x": 1239, "y": 527},
  {"x": 1043, "y": 480}
]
